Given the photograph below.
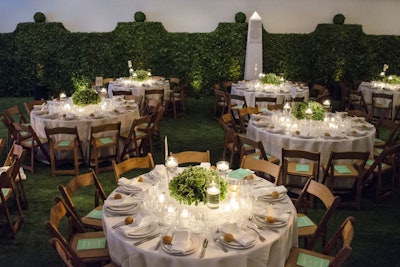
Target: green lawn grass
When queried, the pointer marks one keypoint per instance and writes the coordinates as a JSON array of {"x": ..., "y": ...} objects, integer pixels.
[{"x": 376, "y": 242}]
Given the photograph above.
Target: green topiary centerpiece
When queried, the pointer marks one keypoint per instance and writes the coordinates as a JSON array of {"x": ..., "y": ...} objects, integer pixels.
[
  {"x": 299, "y": 110},
  {"x": 392, "y": 79},
  {"x": 140, "y": 75},
  {"x": 271, "y": 78},
  {"x": 191, "y": 185},
  {"x": 84, "y": 95}
]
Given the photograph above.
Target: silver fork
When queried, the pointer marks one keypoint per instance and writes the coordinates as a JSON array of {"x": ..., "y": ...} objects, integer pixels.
[
  {"x": 118, "y": 225},
  {"x": 262, "y": 239}
]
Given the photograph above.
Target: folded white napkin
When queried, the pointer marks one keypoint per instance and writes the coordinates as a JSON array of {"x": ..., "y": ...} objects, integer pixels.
[
  {"x": 241, "y": 236},
  {"x": 266, "y": 191},
  {"x": 133, "y": 184},
  {"x": 277, "y": 214},
  {"x": 124, "y": 201},
  {"x": 140, "y": 224},
  {"x": 181, "y": 241}
]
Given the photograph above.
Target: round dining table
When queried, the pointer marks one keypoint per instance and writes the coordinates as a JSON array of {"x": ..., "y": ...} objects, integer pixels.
[
  {"x": 282, "y": 92},
  {"x": 64, "y": 113},
  {"x": 337, "y": 132},
  {"x": 165, "y": 216},
  {"x": 367, "y": 88},
  {"x": 139, "y": 88}
]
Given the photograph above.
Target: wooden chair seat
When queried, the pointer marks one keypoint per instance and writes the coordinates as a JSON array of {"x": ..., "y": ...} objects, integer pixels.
[
  {"x": 186, "y": 157},
  {"x": 129, "y": 164}
]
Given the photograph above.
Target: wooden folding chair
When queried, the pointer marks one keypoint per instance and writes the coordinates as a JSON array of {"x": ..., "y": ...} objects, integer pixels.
[
  {"x": 244, "y": 117},
  {"x": 386, "y": 165},
  {"x": 272, "y": 170},
  {"x": 335, "y": 252},
  {"x": 343, "y": 175},
  {"x": 72, "y": 241},
  {"x": 186, "y": 157},
  {"x": 262, "y": 102},
  {"x": 15, "y": 114},
  {"x": 28, "y": 139},
  {"x": 177, "y": 100},
  {"x": 381, "y": 106},
  {"x": 17, "y": 154},
  {"x": 8, "y": 190},
  {"x": 297, "y": 167},
  {"x": 30, "y": 105},
  {"x": 129, "y": 164},
  {"x": 104, "y": 143},
  {"x": 85, "y": 181},
  {"x": 221, "y": 101},
  {"x": 310, "y": 230},
  {"x": 254, "y": 148},
  {"x": 64, "y": 140},
  {"x": 135, "y": 139}
]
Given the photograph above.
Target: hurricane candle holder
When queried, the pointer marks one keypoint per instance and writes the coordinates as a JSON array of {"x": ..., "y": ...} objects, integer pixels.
[
  {"x": 213, "y": 192},
  {"x": 223, "y": 168}
]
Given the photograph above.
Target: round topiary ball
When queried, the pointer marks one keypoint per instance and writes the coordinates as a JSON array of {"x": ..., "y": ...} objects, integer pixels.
[
  {"x": 140, "y": 16},
  {"x": 39, "y": 17},
  {"x": 240, "y": 17},
  {"x": 338, "y": 19}
]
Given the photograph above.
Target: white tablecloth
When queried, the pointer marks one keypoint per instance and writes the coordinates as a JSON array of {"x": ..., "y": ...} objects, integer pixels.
[
  {"x": 377, "y": 87},
  {"x": 54, "y": 115},
  {"x": 283, "y": 92},
  {"x": 139, "y": 88},
  {"x": 272, "y": 253},
  {"x": 273, "y": 142}
]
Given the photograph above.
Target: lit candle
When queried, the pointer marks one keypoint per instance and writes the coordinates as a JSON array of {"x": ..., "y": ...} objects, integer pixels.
[
  {"x": 308, "y": 111},
  {"x": 129, "y": 63},
  {"x": 390, "y": 78},
  {"x": 287, "y": 106},
  {"x": 171, "y": 162},
  {"x": 326, "y": 103},
  {"x": 222, "y": 166},
  {"x": 213, "y": 196},
  {"x": 63, "y": 95},
  {"x": 161, "y": 198},
  {"x": 185, "y": 213}
]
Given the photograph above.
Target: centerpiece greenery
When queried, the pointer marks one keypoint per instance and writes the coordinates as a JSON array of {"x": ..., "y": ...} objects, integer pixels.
[
  {"x": 191, "y": 185},
  {"x": 299, "y": 110},
  {"x": 392, "y": 79},
  {"x": 140, "y": 75},
  {"x": 84, "y": 95},
  {"x": 271, "y": 78}
]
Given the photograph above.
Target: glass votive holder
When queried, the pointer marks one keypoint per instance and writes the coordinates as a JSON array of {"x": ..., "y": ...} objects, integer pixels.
[
  {"x": 222, "y": 168},
  {"x": 213, "y": 192}
]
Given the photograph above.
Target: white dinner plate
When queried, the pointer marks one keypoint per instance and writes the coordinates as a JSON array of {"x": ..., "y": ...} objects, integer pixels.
[
  {"x": 261, "y": 223},
  {"x": 270, "y": 198},
  {"x": 305, "y": 136},
  {"x": 142, "y": 231},
  {"x": 195, "y": 243},
  {"x": 274, "y": 129}
]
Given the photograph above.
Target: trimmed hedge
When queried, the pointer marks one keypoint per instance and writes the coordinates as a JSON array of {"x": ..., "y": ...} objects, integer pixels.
[{"x": 331, "y": 52}]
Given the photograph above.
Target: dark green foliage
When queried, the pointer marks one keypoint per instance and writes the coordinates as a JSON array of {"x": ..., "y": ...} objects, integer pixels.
[
  {"x": 331, "y": 52},
  {"x": 39, "y": 17},
  {"x": 140, "y": 16},
  {"x": 240, "y": 17},
  {"x": 338, "y": 19}
]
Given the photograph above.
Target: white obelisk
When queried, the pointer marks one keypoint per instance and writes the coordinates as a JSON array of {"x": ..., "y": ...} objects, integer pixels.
[{"x": 254, "y": 60}]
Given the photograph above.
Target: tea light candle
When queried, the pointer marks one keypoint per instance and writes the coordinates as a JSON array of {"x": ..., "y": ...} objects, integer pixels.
[
  {"x": 222, "y": 166},
  {"x": 161, "y": 198},
  {"x": 103, "y": 91},
  {"x": 287, "y": 106},
  {"x": 63, "y": 95},
  {"x": 213, "y": 196},
  {"x": 326, "y": 103},
  {"x": 171, "y": 162}
]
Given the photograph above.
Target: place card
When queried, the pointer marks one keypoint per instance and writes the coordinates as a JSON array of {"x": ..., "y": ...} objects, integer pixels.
[
  {"x": 302, "y": 168},
  {"x": 311, "y": 261},
  {"x": 106, "y": 140},
  {"x": 91, "y": 243},
  {"x": 5, "y": 191},
  {"x": 65, "y": 143},
  {"x": 342, "y": 169},
  {"x": 239, "y": 173},
  {"x": 95, "y": 214},
  {"x": 304, "y": 221}
]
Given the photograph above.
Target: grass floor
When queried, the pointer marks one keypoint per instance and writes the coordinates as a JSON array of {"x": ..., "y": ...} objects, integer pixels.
[{"x": 376, "y": 242}]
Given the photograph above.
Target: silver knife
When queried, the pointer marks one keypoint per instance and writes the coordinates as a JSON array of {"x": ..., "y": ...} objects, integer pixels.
[
  {"x": 203, "y": 250},
  {"x": 146, "y": 239}
]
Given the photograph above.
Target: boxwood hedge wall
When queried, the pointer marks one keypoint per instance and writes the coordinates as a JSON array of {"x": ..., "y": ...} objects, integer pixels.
[{"x": 47, "y": 53}]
